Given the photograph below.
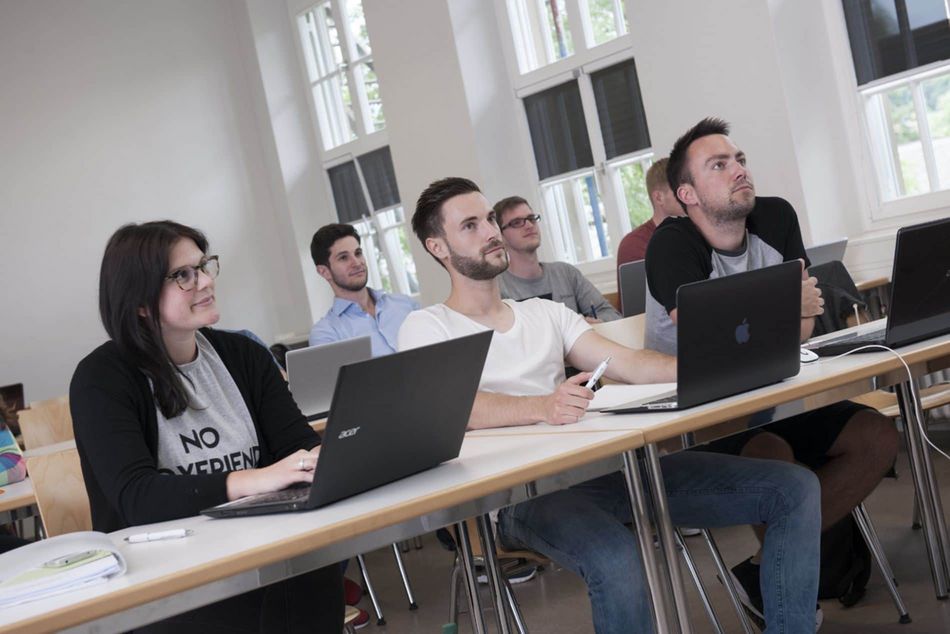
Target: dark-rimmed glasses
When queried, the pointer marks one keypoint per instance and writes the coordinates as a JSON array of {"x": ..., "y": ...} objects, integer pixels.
[
  {"x": 517, "y": 223},
  {"x": 187, "y": 276}
]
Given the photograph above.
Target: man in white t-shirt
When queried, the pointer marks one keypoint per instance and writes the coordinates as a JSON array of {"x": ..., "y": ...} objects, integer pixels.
[{"x": 584, "y": 528}]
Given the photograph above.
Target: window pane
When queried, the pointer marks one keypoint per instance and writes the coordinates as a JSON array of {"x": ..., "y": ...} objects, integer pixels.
[
  {"x": 558, "y": 29},
  {"x": 374, "y": 103},
  {"x": 633, "y": 182},
  {"x": 937, "y": 103},
  {"x": 377, "y": 168},
  {"x": 903, "y": 118},
  {"x": 558, "y": 130},
  {"x": 607, "y": 20},
  {"x": 322, "y": 46},
  {"x": 357, "y": 24},
  {"x": 891, "y": 36},
  {"x": 580, "y": 226},
  {"x": 334, "y": 111},
  {"x": 347, "y": 192},
  {"x": 623, "y": 123}
]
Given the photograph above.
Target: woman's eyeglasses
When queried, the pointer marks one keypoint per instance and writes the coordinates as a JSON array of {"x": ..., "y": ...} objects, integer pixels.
[{"x": 187, "y": 276}]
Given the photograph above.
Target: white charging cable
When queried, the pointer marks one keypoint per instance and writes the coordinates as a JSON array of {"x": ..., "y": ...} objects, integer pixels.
[{"x": 910, "y": 378}]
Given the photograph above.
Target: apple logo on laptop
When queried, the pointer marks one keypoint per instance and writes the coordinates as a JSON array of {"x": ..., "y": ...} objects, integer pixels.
[{"x": 742, "y": 332}]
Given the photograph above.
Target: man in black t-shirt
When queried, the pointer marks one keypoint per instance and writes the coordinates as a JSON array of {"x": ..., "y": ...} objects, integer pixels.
[{"x": 729, "y": 230}]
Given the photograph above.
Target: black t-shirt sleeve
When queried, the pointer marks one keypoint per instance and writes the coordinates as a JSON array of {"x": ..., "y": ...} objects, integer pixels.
[
  {"x": 676, "y": 255},
  {"x": 774, "y": 220}
]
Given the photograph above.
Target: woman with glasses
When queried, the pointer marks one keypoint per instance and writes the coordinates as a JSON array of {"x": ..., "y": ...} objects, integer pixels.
[{"x": 172, "y": 417}]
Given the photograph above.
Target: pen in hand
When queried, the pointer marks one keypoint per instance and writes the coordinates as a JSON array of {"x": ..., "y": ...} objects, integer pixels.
[
  {"x": 593, "y": 312},
  {"x": 598, "y": 372}
]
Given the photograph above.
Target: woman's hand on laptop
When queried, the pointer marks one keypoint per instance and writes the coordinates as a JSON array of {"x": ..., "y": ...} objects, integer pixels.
[
  {"x": 569, "y": 401},
  {"x": 294, "y": 469}
]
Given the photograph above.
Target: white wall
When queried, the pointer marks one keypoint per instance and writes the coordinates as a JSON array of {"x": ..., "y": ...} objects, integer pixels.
[
  {"x": 698, "y": 59},
  {"x": 114, "y": 112}
]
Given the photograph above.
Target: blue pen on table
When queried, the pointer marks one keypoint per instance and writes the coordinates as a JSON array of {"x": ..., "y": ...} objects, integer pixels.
[{"x": 598, "y": 372}]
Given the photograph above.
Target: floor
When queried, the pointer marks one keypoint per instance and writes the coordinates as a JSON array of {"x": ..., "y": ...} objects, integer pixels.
[{"x": 556, "y": 601}]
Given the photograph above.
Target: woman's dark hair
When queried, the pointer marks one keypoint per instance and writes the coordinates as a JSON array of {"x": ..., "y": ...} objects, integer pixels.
[{"x": 133, "y": 272}]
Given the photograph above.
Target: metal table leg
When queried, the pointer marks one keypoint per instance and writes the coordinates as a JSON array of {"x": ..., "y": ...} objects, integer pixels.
[
  {"x": 931, "y": 509},
  {"x": 487, "y": 537},
  {"x": 660, "y": 591},
  {"x": 471, "y": 583},
  {"x": 664, "y": 530}
]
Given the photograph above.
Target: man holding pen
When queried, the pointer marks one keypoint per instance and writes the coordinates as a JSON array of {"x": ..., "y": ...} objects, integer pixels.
[
  {"x": 527, "y": 277},
  {"x": 584, "y": 528}
]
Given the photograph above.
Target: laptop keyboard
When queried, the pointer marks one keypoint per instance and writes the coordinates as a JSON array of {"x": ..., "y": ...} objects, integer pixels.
[{"x": 666, "y": 401}]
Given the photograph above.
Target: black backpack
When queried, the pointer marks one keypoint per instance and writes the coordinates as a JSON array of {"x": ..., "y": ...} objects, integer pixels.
[{"x": 845, "y": 563}]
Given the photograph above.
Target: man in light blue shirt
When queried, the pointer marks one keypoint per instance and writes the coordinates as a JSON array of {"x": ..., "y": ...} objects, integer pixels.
[{"x": 357, "y": 310}]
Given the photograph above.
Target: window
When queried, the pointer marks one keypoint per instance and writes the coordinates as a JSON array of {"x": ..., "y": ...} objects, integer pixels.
[
  {"x": 340, "y": 69},
  {"x": 547, "y": 31},
  {"x": 901, "y": 55},
  {"x": 366, "y": 195},
  {"x": 351, "y": 127},
  {"x": 591, "y": 148}
]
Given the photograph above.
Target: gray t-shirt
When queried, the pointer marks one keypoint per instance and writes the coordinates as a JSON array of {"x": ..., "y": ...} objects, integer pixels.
[
  {"x": 560, "y": 282},
  {"x": 215, "y": 433}
]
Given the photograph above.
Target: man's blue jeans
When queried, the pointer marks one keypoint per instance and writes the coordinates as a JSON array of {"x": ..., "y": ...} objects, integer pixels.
[{"x": 583, "y": 529}]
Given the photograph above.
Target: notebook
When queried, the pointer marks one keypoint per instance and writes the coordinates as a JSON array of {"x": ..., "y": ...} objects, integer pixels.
[
  {"x": 826, "y": 252},
  {"x": 391, "y": 417},
  {"x": 633, "y": 287},
  {"x": 311, "y": 372},
  {"x": 919, "y": 306},
  {"x": 733, "y": 334}
]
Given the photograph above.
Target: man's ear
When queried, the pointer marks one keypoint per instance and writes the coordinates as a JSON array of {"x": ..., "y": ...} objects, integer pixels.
[
  {"x": 686, "y": 194},
  {"x": 324, "y": 272},
  {"x": 437, "y": 247}
]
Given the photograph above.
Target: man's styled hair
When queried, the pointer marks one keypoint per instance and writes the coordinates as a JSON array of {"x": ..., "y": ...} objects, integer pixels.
[
  {"x": 656, "y": 176},
  {"x": 505, "y": 205},
  {"x": 325, "y": 237},
  {"x": 427, "y": 220},
  {"x": 677, "y": 172}
]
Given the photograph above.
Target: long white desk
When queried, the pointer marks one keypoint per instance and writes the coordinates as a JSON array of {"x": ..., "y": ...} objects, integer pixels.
[{"x": 227, "y": 557}]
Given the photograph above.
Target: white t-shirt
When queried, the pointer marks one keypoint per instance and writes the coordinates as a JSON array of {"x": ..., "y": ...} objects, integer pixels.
[{"x": 528, "y": 360}]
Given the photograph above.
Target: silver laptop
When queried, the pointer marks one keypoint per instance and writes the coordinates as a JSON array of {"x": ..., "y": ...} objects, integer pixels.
[
  {"x": 633, "y": 288},
  {"x": 312, "y": 372},
  {"x": 827, "y": 252}
]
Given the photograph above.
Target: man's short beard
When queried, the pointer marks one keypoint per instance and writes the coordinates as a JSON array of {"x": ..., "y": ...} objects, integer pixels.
[
  {"x": 477, "y": 268},
  {"x": 730, "y": 213},
  {"x": 350, "y": 287}
]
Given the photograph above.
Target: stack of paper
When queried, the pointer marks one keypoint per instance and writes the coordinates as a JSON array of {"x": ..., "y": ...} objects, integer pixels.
[{"x": 57, "y": 565}]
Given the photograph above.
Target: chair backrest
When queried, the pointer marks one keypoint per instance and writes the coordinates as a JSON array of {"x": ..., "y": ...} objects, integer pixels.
[
  {"x": 46, "y": 423},
  {"x": 632, "y": 278},
  {"x": 627, "y": 331},
  {"x": 60, "y": 491}
]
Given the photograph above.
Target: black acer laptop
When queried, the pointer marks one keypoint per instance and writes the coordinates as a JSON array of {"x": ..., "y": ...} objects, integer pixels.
[
  {"x": 633, "y": 287},
  {"x": 733, "y": 334},
  {"x": 391, "y": 417},
  {"x": 919, "y": 307}
]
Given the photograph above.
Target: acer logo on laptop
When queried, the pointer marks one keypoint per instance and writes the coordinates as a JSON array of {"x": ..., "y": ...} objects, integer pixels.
[{"x": 348, "y": 433}]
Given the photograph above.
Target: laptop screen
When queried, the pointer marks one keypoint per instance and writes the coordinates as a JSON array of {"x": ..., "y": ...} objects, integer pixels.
[{"x": 920, "y": 296}]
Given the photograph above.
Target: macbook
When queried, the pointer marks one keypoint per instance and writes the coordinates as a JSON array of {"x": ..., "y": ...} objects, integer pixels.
[
  {"x": 919, "y": 306},
  {"x": 733, "y": 334},
  {"x": 312, "y": 372},
  {"x": 391, "y": 417},
  {"x": 633, "y": 287}
]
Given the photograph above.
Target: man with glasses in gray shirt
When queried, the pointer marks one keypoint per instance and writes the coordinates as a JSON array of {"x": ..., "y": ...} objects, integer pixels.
[{"x": 527, "y": 277}]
